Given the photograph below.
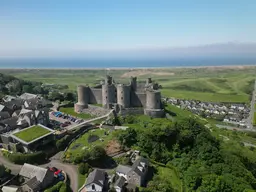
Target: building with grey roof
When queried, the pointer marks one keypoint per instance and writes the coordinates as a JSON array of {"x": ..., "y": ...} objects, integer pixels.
[
  {"x": 9, "y": 98},
  {"x": 96, "y": 181},
  {"x": 119, "y": 184},
  {"x": 4, "y": 115},
  {"x": 123, "y": 170},
  {"x": 26, "y": 96},
  {"x": 36, "y": 177},
  {"x": 136, "y": 174}
]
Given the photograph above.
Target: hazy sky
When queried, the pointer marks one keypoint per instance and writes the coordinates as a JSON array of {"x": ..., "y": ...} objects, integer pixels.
[{"x": 52, "y": 26}]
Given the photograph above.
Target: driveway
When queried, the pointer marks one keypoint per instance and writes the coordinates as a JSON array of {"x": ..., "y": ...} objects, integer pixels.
[{"x": 70, "y": 170}]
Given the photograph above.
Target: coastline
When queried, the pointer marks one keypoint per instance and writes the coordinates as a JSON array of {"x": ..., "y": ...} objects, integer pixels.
[{"x": 239, "y": 66}]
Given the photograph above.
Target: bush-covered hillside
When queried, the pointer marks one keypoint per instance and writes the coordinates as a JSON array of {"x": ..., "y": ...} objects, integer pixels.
[
  {"x": 14, "y": 86},
  {"x": 204, "y": 162}
]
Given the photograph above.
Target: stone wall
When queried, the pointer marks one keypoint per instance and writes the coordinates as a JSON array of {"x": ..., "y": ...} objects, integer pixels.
[
  {"x": 158, "y": 113},
  {"x": 138, "y": 99},
  {"x": 95, "y": 96},
  {"x": 131, "y": 111}
]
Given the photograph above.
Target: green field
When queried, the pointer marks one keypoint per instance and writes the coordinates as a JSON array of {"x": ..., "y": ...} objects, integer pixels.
[
  {"x": 82, "y": 143},
  {"x": 254, "y": 119},
  {"x": 81, "y": 179},
  {"x": 207, "y": 84},
  {"x": 31, "y": 133},
  {"x": 70, "y": 111}
]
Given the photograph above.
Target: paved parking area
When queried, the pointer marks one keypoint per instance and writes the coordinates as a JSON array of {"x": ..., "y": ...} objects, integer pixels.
[{"x": 61, "y": 120}]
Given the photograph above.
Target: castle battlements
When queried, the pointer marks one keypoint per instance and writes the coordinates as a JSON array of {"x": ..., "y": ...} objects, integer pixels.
[{"x": 122, "y": 97}]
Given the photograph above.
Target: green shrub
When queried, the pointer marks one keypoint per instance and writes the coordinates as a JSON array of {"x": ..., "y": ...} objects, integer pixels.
[
  {"x": 20, "y": 158},
  {"x": 83, "y": 168},
  {"x": 55, "y": 187}
]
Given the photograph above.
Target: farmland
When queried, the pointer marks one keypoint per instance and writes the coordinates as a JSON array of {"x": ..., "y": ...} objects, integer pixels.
[{"x": 215, "y": 84}]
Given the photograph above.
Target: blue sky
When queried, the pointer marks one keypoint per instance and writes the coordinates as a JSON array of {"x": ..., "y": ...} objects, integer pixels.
[{"x": 49, "y": 27}]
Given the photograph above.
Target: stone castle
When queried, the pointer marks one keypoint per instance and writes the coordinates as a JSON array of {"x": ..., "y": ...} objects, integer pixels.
[{"x": 133, "y": 98}]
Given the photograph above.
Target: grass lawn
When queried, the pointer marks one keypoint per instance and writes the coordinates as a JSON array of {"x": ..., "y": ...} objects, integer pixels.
[
  {"x": 81, "y": 179},
  {"x": 31, "y": 133},
  {"x": 82, "y": 142},
  {"x": 70, "y": 111},
  {"x": 254, "y": 119}
]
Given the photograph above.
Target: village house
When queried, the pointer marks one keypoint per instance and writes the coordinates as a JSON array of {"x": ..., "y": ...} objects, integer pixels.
[
  {"x": 135, "y": 175},
  {"x": 36, "y": 178},
  {"x": 96, "y": 181}
]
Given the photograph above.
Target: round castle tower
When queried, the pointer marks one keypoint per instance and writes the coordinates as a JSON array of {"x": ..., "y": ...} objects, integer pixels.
[
  {"x": 153, "y": 99},
  {"x": 82, "y": 98},
  {"x": 108, "y": 92},
  {"x": 123, "y": 95}
]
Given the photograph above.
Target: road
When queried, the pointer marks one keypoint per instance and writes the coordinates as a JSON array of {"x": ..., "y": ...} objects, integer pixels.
[
  {"x": 89, "y": 121},
  {"x": 251, "y": 115},
  {"x": 13, "y": 167},
  {"x": 235, "y": 128},
  {"x": 70, "y": 170}
]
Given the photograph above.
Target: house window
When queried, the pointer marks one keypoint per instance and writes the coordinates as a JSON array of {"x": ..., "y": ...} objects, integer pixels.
[{"x": 93, "y": 187}]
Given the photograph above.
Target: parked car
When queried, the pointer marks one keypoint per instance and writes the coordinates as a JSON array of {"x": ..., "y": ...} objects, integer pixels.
[{"x": 67, "y": 122}]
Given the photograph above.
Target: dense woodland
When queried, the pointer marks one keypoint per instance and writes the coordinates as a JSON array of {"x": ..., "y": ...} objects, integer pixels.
[{"x": 203, "y": 161}]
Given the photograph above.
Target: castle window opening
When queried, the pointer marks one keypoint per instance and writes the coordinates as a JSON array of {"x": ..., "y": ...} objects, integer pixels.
[{"x": 122, "y": 98}]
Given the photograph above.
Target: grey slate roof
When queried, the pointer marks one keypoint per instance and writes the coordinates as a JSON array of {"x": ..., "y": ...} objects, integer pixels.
[
  {"x": 139, "y": 165},
  {"x": 34, "y": 184},
  {"x": 17, "y": 102},
  {"x": 4, "y": 115},
  {"x": 25, "y": 111},
  {"x": 12, "y": 121},
  {"x": 16, "y": 113},
  {"x": 120, "y": 182},
  {"x": 2, "y": 107},
  {"x": 96, "y": 176},
  {"x": 30, "y": 171},
  {"x": 26, "y": 96},
  {"x": 123, "y": 169}
]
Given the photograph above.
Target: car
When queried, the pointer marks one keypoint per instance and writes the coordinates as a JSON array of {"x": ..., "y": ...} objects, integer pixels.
[
  {"x": 67, "y": 122},
  {"x": 54, "y": 169},
  {"x": 57, "y": 172}
]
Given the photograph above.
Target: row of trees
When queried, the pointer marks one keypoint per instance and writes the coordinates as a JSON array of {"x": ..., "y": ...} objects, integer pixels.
[{"x": 202, "y": 161}]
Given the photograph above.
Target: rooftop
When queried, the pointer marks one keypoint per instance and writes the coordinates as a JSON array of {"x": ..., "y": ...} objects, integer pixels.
[
  {"x": 30, "y": 171},
  {"x": 32, "y": 133},
  {"x": 96, "y": 176}
]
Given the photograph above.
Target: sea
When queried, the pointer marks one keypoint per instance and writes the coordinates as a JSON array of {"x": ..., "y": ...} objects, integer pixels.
[{"x": 76, "y": 63}]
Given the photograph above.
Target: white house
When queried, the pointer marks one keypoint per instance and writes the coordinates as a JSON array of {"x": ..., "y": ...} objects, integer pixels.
[{"x": 96, "y": 181}]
